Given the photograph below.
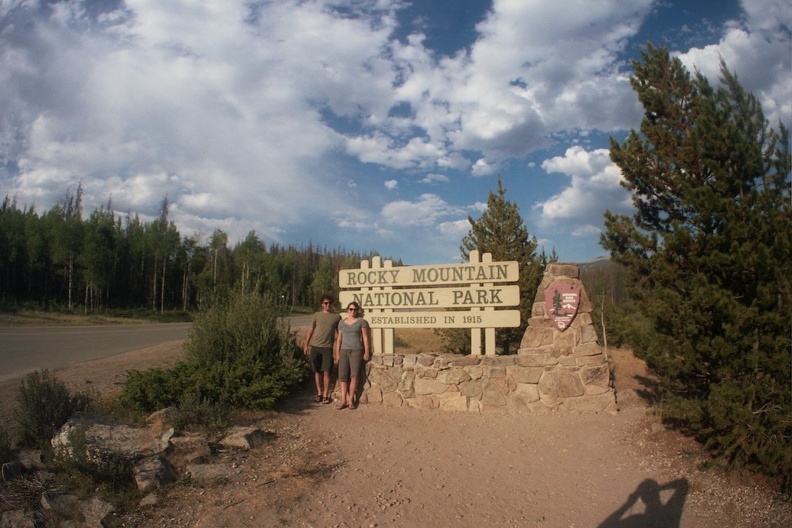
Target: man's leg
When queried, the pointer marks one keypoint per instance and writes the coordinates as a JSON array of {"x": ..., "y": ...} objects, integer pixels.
[{"x": 326, "y": 378}]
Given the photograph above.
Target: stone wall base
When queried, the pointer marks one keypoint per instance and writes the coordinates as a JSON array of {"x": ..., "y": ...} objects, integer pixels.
[{"x": 522, "y": 383}]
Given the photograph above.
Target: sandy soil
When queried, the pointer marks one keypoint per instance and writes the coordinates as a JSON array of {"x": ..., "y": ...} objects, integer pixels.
[{"x": 386, "y": 467}]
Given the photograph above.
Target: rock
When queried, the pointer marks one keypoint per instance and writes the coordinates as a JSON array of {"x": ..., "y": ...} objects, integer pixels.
[
  {"x": 149, "y": 500},
  {"x": 62, "y": 504},
  {"x": 189, "y": 449},
  {"x": 392, "y": 399},
  {"x": 95, "y": 510},
  {"x": 526, "y": 374},
  {"x": 153, "y": 472},
  {"x": 599, "y": 376},
  {"x": 204, "y": 472},
  {"x": 12, "y": 470},
  {"x": 453, "y": 403},
  {"x": 102, "y": 441},
  {"x": 246, "y": 438},
  {"x": 453, "y": 376},
  {"x": 380, "y": 378},
  {"x": 472, "y": 389},
  {"x": 429, "y": 386},
  {"x": 657, "y": 427},
  {"x": 31, "y": 459},
  {"x": 561, "y": 384},
  {"x": 492, "y": 395},
  {"x": 163, "y": 420},
  {"x": 18, "y": 519}
]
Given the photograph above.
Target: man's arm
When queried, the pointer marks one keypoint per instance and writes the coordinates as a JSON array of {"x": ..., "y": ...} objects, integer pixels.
[{"x": 308, "y": 337}]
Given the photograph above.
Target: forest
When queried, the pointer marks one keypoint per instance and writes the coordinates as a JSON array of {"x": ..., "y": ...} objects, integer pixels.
[{"x": 62, "y": 260}]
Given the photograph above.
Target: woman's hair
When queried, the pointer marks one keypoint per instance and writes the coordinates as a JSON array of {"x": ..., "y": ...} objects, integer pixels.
[{"x": 355, "y": 305}]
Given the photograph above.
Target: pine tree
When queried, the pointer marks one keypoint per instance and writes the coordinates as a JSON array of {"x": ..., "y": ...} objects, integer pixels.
[
  {"x": 708, "y": 253},
  {"x": 500, "y": 231}
]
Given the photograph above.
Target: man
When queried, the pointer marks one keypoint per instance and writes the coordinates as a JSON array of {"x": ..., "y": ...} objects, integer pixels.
[{"x": 319, "y": 341}]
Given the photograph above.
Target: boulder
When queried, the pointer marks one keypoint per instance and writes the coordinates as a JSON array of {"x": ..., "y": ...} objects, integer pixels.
[
  {"x": 102, "y": 441},
  {"x": 246, "y": 438},
  {"x": 95, "y": 510},
  {"x": 153, "y": 472}
]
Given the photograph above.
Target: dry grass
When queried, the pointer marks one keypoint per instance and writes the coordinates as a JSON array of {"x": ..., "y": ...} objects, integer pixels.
[
  {"x": 36, "y": 318},
  {"x": 416, "y": 341}
]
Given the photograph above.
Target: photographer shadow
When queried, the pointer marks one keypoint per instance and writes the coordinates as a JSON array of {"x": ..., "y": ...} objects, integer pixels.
[{"x": 653, "y": 512}]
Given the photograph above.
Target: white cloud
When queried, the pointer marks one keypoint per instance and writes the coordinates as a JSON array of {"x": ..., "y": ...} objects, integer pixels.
[
  {"x": 456, "y": 229},
  {"x": 484, "y": 168},
  {"x": 426, "y": 211},
  {"x": 759, "y": 52},
  {"x": 242, "y": 112},
  {"x": 594, "y": 183},
  {"x": 479, "y": 207},
  {"x": 435, "y": 178},
  {"x": 586, "y": 230}
]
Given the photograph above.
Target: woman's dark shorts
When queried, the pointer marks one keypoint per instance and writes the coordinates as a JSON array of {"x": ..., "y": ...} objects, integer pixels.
[{"x": 321, "y": 359}]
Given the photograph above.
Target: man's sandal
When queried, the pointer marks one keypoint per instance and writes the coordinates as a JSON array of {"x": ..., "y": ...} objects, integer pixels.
[
  {"x": 327, "y": 400},
  {"x": 318, "y": 398}
]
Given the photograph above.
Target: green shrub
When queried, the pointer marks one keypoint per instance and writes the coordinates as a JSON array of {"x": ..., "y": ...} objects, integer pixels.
[
  {"x": 45, "y": 404},
  {"x": 238, "y": 354}
]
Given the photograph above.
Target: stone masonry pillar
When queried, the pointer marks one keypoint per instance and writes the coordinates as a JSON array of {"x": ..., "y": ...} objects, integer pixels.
[{"x": 562, "y": 341}]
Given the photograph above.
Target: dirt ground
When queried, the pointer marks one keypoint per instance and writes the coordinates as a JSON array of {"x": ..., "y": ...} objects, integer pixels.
[{"x": 399, "y": 467}]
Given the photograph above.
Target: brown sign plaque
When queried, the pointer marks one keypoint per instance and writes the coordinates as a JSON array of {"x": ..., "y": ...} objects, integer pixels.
[{"x": 562, "y": 300}]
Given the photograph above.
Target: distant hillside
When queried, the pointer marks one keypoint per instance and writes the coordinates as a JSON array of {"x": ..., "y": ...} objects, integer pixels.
[{"x": 594, "y": 264}]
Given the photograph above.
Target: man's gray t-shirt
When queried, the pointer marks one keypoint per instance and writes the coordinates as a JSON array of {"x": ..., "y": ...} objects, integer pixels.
[{"x": 324, "y": 326}]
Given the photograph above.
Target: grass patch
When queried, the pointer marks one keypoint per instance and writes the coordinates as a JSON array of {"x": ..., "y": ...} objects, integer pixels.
[
  {"x": 45, "y": 404},
  {"x": 416, "y": 341}
]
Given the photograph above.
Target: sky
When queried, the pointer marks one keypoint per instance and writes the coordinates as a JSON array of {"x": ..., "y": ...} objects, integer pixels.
[{"x": 361, "y": 125}]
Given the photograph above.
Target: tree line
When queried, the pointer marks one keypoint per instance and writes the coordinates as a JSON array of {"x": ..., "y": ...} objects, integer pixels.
[{"x": 62, "y": 260}]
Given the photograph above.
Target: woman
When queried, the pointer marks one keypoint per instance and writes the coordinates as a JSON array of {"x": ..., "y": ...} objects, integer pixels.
[{"x": 352, "y": 349}]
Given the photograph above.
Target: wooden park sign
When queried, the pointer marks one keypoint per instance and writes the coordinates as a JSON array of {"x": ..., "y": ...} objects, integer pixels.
[{"x": 443, "y": 296}]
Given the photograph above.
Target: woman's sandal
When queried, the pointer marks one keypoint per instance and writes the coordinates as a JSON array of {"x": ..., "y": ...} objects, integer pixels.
[
  {"x": 318, "y": 398},
  {"x": 327, "y": 400},
  {"x": 342, "y": 406},
  {"x": 353, "y": 406}
]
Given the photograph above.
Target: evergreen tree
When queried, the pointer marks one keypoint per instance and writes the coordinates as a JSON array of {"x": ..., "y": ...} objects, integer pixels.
[
  {"x": 97, "y": 258},
  {"x": 708, "y": 253},
  {"x": 66, "y": 238},
  {"x": 325, "y": 280},
  {"x": 500, "y": 231},
  {"x": 249, "y": 256}
]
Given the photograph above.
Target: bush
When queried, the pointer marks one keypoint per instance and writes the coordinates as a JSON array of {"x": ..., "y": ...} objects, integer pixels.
[
  {"x": 45, "y": 404},
  {"x": 238, "y": 354}
]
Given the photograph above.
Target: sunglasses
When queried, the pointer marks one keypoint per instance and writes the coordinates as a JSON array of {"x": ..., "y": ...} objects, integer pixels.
[
  {"x": 325, "y": 302},
  {"x": 352, "y": 309}
]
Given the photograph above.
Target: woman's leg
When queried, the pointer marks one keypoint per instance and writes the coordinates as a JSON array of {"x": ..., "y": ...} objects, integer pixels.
[
  {"x": 343, "y": 377},
  {"x": 352, "y": 390},
  {"x": 344, "y": 392},
  {"x": 355, "y": 364}
]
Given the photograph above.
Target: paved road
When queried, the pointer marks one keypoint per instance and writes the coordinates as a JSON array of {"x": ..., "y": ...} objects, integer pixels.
[{"x": 25, "y": 349}]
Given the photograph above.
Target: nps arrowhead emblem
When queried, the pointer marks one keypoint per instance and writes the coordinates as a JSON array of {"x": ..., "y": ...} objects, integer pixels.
[{"x": 562, "y": 300}]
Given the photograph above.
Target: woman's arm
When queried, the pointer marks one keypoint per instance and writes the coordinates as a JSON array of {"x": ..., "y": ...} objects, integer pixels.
[
  {"x": 364, "y": 332},
  {"x": 337, "y": 350}
]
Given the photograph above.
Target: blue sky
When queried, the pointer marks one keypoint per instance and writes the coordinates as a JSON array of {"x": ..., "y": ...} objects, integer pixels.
[{"x": 367, "y": 125}]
